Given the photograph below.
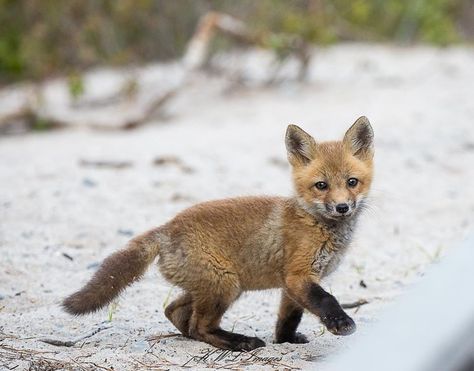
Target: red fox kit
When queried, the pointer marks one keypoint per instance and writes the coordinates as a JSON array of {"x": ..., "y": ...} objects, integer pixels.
[{"x": 216, "y": 250}]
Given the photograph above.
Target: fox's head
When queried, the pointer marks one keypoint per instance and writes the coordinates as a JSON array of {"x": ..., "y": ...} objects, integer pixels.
[{"x": 332, "y": 179}]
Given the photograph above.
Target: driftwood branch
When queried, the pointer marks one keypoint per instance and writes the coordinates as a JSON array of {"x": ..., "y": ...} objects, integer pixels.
[
  {"x": 197, "y": 51},
  {"x": 71, "y": 343},
  {"x": 355, "y": 304},
  {"x": 135, "y": 100}
]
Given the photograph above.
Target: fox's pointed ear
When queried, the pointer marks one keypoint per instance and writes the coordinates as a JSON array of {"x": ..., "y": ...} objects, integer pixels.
[
  {"x": 359, "y": 139},
  {"x": 299, "y": 145}
]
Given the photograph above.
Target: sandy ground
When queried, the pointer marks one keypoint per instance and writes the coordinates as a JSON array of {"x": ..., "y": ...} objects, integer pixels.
[{"x": 59, "y": 219}]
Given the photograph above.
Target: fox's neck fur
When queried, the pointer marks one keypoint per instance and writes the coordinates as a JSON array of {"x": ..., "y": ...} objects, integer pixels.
[{"x": 342, "y": 228}]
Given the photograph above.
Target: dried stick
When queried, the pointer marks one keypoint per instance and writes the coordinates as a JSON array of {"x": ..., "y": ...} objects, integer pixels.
[
  {"x": 70, "y": 343},
  {"x": 355, "y": 304}
]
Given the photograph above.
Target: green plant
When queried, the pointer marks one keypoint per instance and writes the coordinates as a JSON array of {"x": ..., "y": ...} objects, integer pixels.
[
  {"x": 111, "y": 310},
  {"x": 75, "y": 85}
]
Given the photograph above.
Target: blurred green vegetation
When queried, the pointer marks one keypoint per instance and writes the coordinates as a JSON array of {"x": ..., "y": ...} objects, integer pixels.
[{"x": 41, "y": 38}]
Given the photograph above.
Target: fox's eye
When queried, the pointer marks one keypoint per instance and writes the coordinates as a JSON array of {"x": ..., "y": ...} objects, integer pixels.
[
  {"x": 321, "y": 185},
  {"x": 352, "y": 182}
]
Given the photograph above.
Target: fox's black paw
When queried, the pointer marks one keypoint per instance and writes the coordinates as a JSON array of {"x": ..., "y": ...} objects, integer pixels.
[
  {"x": 248, "y": 344},
  {"x": 297, "y": 338},
  {"x": 339, "y": 324}
]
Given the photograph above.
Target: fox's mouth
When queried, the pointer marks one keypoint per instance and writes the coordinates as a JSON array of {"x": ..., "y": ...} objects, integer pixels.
[
  {"x": 332, "y": 212},
  {"x": 337, "y": 216}
]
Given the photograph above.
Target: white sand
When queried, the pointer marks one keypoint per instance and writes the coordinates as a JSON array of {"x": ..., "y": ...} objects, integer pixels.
[{"x": 420, "y": 103}]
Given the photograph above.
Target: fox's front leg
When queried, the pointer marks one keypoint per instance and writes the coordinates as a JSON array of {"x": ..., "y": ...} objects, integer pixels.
[
  {"x": 289, "y": 318},
  {"x": 310, "y": 295}
]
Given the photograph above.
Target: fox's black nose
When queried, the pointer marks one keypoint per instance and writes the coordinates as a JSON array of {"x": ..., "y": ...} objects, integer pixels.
[{"x": 342, "y": 208}]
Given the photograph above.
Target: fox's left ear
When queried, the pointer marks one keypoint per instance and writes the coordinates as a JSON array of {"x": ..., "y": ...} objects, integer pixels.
[{"x": 359, "y": 139}]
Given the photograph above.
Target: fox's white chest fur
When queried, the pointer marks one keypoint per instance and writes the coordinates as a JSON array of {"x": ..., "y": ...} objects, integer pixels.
[{"x": 329, "y": 256}]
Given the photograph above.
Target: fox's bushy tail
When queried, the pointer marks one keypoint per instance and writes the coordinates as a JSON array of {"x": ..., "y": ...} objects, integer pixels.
[{"x": 117, "y": 271}]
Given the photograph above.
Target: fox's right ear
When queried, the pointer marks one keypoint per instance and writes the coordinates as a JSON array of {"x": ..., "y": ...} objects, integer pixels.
[{"x": 299, "y": 145}]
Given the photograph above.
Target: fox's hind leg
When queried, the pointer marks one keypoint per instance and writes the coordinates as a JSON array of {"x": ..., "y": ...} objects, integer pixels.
[
  {"x": 204, "y": 325},
  {"x": 289, "y": 318},
  {"x": 179, "y": 313}
]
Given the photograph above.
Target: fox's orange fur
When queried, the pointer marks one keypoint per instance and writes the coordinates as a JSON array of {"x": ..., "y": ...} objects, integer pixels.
[{"x": 216, "y": 250}]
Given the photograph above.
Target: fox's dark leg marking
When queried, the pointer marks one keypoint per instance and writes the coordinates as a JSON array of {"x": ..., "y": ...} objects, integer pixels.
[
  {"x": 329, "y": 311},
  {"x": 229, "y": 340},
  {"x": 204, "y": 325},
  {"x": 289, "y": 318},
  {"x": 179, "y": 313}
]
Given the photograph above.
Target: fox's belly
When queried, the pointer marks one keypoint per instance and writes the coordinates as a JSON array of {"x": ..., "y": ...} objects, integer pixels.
[
  {"x": 261, "y": 280},
  {"x": 259, "y": 266}
]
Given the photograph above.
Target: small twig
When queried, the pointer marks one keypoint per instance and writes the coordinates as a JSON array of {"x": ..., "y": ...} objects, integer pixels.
[
  {"x": 105, "y": 164},
  {"x": 155, "y": 339},
  {"x": 70, "y": 343},
  {"x": 77, "y": 363},
  {"x": 161, "y": 337},
  {"x": 37, "y": 360},
  {"x": 355, "y": 304},
  {"x": 59, "y": 343},
  {"x": 67, "y": 256},
  {"x": 149, "y": 366},
  {"x": 89, "y": 363},
  {"x": 28, "y": 352},
  {"x": 125, "y": 344},
  {"x": 99, "y": 366}
]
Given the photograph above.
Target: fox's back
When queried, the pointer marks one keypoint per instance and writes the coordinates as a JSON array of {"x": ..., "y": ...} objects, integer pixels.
[{"x": 241, "y": 234}]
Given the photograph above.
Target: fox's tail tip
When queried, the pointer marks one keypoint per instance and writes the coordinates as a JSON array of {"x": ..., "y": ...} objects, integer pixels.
[
  {"x": 116, "y": 273},
  {"x": 77, "y": 305},
  {"x": 68, "y": 306}
]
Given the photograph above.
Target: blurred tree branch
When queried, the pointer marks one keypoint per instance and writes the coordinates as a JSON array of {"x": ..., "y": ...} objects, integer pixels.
[
  {"x": 129, "y": 105},
  {"x": 43, "y": 38},
  {"x": 197, "y": 52}
]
